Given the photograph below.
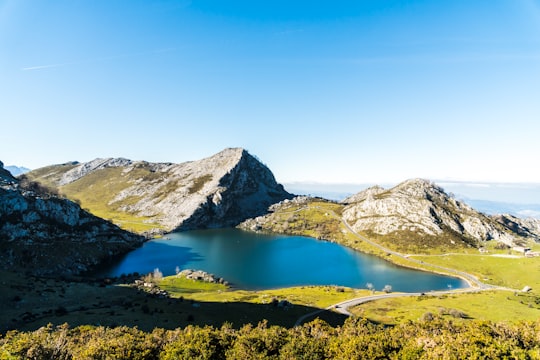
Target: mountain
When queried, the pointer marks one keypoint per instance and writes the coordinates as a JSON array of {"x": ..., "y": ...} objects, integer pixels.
[
  {"x": 43, "y": 234},
  {"x": 16, "y": 170},
  {"x": 6, "y": 178},
  {"x": 527, "y": 227},
  {"x": 497, "y": 207},
  {"x": 218, "y": 191},
  {"x": 419, "y": 209}
]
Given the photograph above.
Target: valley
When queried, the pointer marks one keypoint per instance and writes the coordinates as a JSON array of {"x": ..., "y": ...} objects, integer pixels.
[{"x": 415, "y": 224}]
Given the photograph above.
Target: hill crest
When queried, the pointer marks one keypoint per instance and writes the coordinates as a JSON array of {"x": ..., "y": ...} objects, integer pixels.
[
  {"x": 218, "y": 191},
  {"x": 420, "y": 206}
]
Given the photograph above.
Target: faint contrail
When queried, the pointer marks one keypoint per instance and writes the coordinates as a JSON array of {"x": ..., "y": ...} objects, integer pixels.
[{"x": 40, "y": 67}]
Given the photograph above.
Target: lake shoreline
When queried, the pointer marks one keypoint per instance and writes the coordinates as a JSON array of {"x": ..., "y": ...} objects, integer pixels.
[{"x": 256, "y": 261}]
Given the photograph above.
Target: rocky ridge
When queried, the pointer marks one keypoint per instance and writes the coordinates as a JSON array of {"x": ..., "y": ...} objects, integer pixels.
[
  {"x": 43, "y": 234},
  {"x": 419, "y": 206},
  {"x": 526, "y": 227},
  {"x": 218, "y": 191}
]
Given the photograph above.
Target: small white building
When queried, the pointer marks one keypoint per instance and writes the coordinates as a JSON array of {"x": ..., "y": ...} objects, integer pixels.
[{"x": 521, "y": 249}]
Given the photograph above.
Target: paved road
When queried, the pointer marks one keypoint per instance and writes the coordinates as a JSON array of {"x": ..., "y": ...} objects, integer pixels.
[{"x": 343, "y": 307}]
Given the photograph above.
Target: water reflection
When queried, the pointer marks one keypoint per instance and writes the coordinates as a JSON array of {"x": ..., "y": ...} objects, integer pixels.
[{"x": 255, "y": 261}]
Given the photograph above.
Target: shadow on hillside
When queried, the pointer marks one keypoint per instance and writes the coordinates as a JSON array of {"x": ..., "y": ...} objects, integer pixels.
[{"x": 32, "y": 303}]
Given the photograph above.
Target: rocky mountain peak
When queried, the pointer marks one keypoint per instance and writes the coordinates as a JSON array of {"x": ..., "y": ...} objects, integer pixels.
[
  {"x": 419, "y": 206},
  {"x": 420, "y": 188},
  {"x": 368, "y": 193},
  {"x": 218, "y": 191}
]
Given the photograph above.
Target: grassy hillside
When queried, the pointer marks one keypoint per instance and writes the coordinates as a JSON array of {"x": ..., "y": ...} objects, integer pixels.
[
  {"x": 98, "y": 190},
  {"x": 50, "y": 175},
  {"x": 498, "y": 306},
  {"x": 514, "y": 272}
]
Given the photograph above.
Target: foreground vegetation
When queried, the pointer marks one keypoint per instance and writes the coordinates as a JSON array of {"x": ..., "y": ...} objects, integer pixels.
[{"x": 356, "y": 339}]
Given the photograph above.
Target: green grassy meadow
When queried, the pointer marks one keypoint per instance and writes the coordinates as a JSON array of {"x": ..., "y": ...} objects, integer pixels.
[
  {"x": 313, "y": 296},
  {"x": 497, "y": 306}
]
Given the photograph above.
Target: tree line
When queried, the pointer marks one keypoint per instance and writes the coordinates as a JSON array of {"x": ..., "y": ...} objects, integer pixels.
[{"x": 357, "y": 339}]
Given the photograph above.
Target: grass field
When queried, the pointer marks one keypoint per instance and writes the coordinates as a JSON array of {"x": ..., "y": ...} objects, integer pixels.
[
  {"x": 505, "y": 306},
  {"x": 28, "y": 303},
  {"x": 514, "y": 273},
  {"x": 315, "y": 296}
]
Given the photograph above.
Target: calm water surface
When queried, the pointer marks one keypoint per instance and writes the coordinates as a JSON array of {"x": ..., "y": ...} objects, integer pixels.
[{"x": 257, "y": 261}]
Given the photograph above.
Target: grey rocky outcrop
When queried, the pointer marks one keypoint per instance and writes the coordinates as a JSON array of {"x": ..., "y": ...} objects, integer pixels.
[
  {"x": 420, "y": 206},
  {"x": 527, "y": 227},
  {"x": 218, "y": 191},
  {"x": 43, "y": 234},
  {"x": 86, "y": 168},
  {"x": 200, "y": 275}
]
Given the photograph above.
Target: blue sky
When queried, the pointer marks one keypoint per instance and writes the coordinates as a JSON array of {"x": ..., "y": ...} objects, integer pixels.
[{"x": 328, "y": 91}]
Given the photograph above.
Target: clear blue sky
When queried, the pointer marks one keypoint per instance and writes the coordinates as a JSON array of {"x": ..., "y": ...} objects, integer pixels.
[{"x": 332, "y": 91}]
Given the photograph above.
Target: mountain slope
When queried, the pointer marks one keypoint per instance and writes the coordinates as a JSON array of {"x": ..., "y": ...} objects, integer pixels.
[
  {"x": 41, "y": 233},
  {"x": 419, "y": 213},
  {"x": 16, "y": 170},
  {"x": 527, "y": 227},
  {"x": 218, "y": 191}
]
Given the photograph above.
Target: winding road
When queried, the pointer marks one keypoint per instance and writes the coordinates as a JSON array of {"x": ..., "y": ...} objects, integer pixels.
[{"x": 343, "y": 307}]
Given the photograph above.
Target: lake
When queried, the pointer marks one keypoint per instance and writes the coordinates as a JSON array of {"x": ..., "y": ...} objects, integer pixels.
[{"x": 261, "y": 261}]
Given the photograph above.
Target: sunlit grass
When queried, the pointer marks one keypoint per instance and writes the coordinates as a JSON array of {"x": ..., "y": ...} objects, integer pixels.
[
  {"x": 505, "y": 306},
  {"x": 514, "y": 273},
  {"x": 316, "y": 296},
  {"x": 97, "y": 191},
  {"x": 180, "y": 284}
]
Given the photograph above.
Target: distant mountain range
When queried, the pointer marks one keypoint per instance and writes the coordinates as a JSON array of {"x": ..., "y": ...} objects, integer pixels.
[
  {"x": 521, "y": 200},
  {"x": 496, "y": 207},
  {"x": 16, "y": 170}
]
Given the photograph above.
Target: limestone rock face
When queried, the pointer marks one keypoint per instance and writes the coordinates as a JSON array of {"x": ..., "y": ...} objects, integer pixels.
[
  {"x": 420, "y": 206},
  {"x": 529, "y": 227},
  {"x": 86, "y": 168},
  {"x": 43, "y": 234},
  {"x": 218, "y": 191}
]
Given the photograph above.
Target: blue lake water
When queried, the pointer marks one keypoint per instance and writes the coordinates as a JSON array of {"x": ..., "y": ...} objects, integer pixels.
[{"x": 259, "y": 261}]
